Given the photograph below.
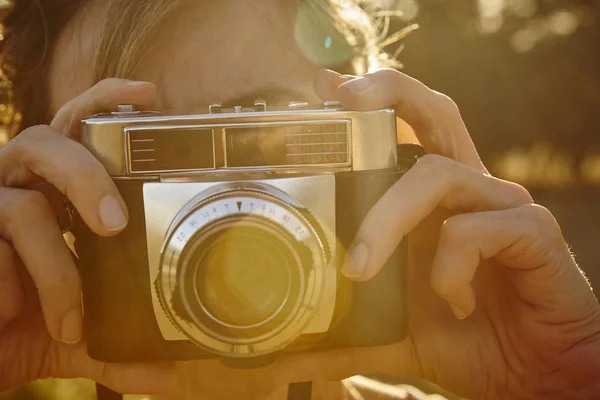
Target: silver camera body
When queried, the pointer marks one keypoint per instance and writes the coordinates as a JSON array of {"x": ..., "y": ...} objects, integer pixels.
[
  {"x": 367, "y": 140},
  {"x": 235, "y": 215}
]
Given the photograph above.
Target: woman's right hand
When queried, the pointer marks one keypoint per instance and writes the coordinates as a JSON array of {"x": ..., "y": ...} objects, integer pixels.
[{"x": 40, "y": 289}]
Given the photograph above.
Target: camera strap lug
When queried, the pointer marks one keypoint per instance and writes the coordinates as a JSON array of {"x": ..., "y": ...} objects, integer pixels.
[{"x": 407, "y": 154}]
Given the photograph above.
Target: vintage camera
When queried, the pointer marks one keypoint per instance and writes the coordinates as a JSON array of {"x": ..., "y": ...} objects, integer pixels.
[{"x": 239, "y": 221}]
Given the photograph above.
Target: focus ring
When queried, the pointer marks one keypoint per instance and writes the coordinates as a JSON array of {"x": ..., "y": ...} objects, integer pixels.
[{"x": 252, "y": 202}]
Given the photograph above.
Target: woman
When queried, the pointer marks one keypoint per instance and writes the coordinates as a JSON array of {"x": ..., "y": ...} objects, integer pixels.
[{"x": 498, "y": 307}]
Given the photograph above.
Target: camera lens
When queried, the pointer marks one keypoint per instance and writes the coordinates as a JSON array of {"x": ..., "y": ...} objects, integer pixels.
[
  {"x": 242, "y": 270},
  {"x": 241, "y": 275}
]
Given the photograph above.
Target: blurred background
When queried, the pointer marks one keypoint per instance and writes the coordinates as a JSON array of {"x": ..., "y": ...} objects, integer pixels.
[{"x": 526, "y": 76}]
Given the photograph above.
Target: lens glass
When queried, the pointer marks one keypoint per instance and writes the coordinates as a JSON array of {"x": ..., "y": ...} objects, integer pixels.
[{"x": 242, "y": 274}]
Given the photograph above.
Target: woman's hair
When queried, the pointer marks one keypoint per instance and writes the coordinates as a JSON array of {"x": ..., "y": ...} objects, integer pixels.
[
  {"x": 32, "y": 27},
  {"x": 29, "y": 30}
]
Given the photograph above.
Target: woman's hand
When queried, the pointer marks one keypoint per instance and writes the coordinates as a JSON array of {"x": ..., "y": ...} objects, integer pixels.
[
  {"x": 40, "y": 289},
  {"x": 527, "y": 323},
  {"x": 497, "y": 306},
  {"x": 477, "y": 243}
]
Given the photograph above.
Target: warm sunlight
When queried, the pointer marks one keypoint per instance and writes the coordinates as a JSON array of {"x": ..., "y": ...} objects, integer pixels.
[{"x": 525, "y": 75}]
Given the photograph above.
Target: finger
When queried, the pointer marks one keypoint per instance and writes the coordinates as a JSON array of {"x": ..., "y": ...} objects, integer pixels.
[
  {"x": 41, "y": 152},
  {"x": 434, "y": 117},
  {"x": 106, "y": 95},
  {"x": 12, "y": 296},
  {"x": 382, "y": 391},
  {"x": 134, "y": 378},
  {"x": 526, "y": 238},
  {"x": 327, "y": 82},
  {"x": 434, "y": 181},
  {"x": 27, "y": 221}
]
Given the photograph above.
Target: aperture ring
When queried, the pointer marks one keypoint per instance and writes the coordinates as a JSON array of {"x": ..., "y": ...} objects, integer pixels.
[{"x": 208, "y": 209}]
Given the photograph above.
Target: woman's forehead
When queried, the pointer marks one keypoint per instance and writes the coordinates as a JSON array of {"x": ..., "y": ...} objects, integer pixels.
[{"x": 196, "y": 55}]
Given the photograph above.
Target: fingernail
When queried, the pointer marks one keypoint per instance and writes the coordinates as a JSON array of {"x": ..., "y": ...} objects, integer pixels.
[
  {"x": 459, "y": 313},
  {"x": 358, "y": 84},
  {"x": 112, "y": 215},
  {"x": 356, "y": 261},
  {"x": 138, "y": 83},
  {"x": 72, "y": 327},
  {"x": 463, "y": 302}
]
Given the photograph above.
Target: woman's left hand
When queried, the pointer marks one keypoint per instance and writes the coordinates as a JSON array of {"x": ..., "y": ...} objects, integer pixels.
[{"x": 528, "y": 324}]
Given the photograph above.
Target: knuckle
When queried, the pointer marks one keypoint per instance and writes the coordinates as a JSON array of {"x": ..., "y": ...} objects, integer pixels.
[
  {"x": 543, "y": 220},
  {"x": 456, "y": 228},
  {"x": 108, "y": 83},
  {"x": 22, "y": 147},
  {"x": 387, "y": 73},
  {"x": 433, "y": 162},
  {"x": 22, "y": 142},
  {"x": 545, "y": 239},
  {"x": 87, "y": 165},
  {"x": 439, "y": 167},
  {"x": 35, "y": 132},
  {"x": 442, "y": 289},
  {"x": 442, "y": 286},
  {"x": 27, "y": 205},
  {"x": 87, "y": 170},
  {"x": 445, "y": 103},
  {"x": 519, "y": 193}
]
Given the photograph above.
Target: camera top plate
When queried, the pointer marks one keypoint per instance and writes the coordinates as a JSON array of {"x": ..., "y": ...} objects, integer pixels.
[
  {"x": 217, "y": 108},
  {"x": 296, "y": 139}
]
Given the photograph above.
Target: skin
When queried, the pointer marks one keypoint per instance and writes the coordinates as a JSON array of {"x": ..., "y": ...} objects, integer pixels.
[{"x": 497, "y": 306}]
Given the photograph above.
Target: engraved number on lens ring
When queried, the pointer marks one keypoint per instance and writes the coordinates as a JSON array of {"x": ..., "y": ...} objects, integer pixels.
[{"x": 232, "y": 200}]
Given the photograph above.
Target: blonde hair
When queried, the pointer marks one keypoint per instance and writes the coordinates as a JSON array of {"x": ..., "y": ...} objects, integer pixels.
[
  {"x": 123, "y": 41},
  {"x": 366, "y": 33},
  {"x": 30, "y": 29}
]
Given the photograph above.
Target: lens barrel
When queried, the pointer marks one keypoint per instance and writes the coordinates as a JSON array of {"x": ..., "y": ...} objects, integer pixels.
[{"x": 242, "y": 270}]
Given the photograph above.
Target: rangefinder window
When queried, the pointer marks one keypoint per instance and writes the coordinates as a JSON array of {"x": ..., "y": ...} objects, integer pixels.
[
  {"x": 155, "y": 150},
  {"x": 287, "y": 145}
]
